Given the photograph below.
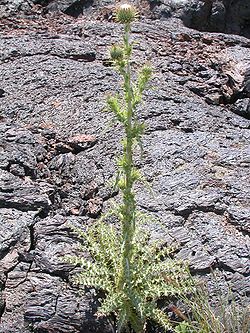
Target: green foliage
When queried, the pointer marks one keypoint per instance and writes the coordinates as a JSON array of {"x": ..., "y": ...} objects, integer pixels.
[
  {"x": 130, "y": 294},
  {"x": 184, "y": 327},
  {"x": 132, "y": 271}
]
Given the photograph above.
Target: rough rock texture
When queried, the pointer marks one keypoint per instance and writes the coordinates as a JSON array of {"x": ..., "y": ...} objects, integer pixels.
[
  {"x": 31, "y": 7},
  {"x": 207, "y": 15},
  {"x": 58, "y": 152},
  {"x": 220, "y": 15}
]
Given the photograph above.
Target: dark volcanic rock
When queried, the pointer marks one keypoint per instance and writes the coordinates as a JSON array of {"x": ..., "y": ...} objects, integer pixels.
[
  {"x": 15, "y": 237},
  {"x": 20, "y": 150},
  {"x": 37, "y": 293},
  {"x": 53, "y": 241},
  {"x": 219, "y": 16},
  {"x": 28, "y": 8},
  {"x": 207, "y": 15},
  {"x": 44, "y": 303},
  {"x": 58, "y": 156},
  {"x": 11, "y": 6},
  {"x": 70, "y": 7},
  {"x": 23, "y": 194}
]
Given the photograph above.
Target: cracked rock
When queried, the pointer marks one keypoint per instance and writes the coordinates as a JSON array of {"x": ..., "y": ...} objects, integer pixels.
[{"x": 58, "y": 153}]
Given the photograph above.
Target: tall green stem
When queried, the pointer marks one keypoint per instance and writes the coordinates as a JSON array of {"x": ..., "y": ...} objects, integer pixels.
[{"x": 128, "y": 209}]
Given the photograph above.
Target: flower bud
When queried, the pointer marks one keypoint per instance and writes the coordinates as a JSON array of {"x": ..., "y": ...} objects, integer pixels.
[
  {"x": 116, "y": 53},
  {"x": 126, "y": 14}
]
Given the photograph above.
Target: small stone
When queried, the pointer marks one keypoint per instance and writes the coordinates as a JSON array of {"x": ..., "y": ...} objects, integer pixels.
[
  {"x": 17, "y": 170},
  {"x": 214, "y": 99}
]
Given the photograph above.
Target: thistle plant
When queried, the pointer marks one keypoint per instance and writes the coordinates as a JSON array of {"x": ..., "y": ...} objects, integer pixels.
[{"x": 131, "y": 270}]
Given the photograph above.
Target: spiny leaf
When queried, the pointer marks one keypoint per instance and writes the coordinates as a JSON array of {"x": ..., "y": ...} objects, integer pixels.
[
  {"x": 137, "y": 130},
  {"x": 144, "y": 77},
  {"x": 114, "y": 106}
]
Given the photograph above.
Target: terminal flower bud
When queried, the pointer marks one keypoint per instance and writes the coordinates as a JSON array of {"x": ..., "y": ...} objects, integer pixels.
[{"x": 126, "y": 14}]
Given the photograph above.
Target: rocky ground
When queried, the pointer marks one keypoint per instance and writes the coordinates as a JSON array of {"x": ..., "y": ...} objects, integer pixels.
[{"x": 58, "y": 148}]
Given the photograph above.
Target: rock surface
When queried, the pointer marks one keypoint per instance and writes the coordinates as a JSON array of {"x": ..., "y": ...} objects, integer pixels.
[
  {"x": 58, "y": 152},
  {"x": 207, "y": 15}
]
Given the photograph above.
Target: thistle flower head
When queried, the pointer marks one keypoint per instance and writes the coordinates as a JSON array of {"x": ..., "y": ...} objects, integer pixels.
[
  {"x": 116, "y": 53},
  {"x": 126, "y": 14}
]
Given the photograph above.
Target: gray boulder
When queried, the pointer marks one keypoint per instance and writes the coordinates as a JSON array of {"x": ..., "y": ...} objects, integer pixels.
[{"x": 207, "y": 15}]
